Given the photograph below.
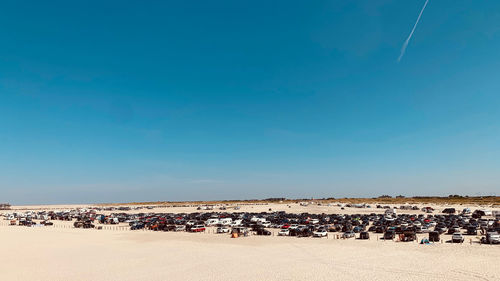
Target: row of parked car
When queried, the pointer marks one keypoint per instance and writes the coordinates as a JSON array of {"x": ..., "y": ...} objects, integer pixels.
[
  {"x": 390, "y": 225},
  {"x": 405, "y": 226},
  {"x": 304, "y": 225}
]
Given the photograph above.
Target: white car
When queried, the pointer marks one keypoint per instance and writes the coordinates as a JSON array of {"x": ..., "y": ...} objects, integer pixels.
[
  {"x": 491, "y": 238},
  {"x": 180, "y": 228},
  {"x": 284, "y": 232},
  {"x": 236, "y": 223},
  {"x": 226, "y": 221},
  {"x": 320, "y": 233},
  {"x": 265, "y": 224},
  {"x": 211, "y": 222},
  {"x": 223, "y": 230},
  {"x": 457, "y": 237},
  {"x": 294, "y": 226},
  {"x": 314, "y": 221}
]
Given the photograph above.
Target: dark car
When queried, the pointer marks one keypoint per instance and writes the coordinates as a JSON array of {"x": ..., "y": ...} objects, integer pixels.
[
  {"x": 364, "y": 235},
  {"x": 408, "y": 236},
  {"x": 478, "y": 214},
  {"x": 379, "y": 229},
  {"x": 399, "y": 230},
  {"x": 304, "y": 232},
  {"x": 262, "y": 231},
  {"x": 453, "y": 230},
  {"x": 137, "y": 226},
  {"x": 440, "y": 229},
  {"x": 449, "y": 211},
  {"x": 471, "y": 230},
  {"x": 389, "y": 235},
  {"x": 434, "y": 236}
]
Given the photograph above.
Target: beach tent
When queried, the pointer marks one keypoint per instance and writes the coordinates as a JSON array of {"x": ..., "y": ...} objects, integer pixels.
[{"x": 424, "y": 241}]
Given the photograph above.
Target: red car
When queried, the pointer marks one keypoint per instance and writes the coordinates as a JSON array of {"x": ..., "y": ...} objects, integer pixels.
[
  {"x": 285, "y": 226},
  {"x": 198, "y": 228}
]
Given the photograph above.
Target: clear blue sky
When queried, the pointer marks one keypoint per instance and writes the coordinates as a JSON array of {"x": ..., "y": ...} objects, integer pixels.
[{"x": 112, "y": 101}]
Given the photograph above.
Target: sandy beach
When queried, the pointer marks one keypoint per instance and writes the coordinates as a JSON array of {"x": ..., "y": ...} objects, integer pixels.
[{"x": 61, "y": 252}]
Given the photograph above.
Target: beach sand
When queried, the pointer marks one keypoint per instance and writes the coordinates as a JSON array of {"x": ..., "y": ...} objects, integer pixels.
[{"x": 61, "y": 253}]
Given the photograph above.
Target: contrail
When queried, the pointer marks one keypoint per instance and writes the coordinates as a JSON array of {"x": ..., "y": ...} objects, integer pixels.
[{"x": 403, "y": 49}]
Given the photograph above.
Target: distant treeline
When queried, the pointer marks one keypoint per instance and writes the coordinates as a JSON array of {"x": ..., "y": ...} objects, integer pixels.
[
  {"x": 5, "y": 206},
  {"x": 400, "y": 199}
]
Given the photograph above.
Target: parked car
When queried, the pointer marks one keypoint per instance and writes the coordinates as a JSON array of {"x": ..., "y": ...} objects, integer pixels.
[
  {"x": 241, "y": 231},
  {"x": 265, "y": 224},
  {"x": 491, "y": 238},
  {"x": 313, "y": 221},
  {"x": 137, "y": 225},
  {"x": 223, "y": 230},
  {"x": 408, "y": 236},
  {"x": 471, "y": 230},
  {"x": 449, "y": 211},
  {"x": 453, "y": 230},
  {"x": 348, "y": 234},
  {"x": 320, "y": 233},
  {"x": 301, "y": 231},
  {"x": 364, "y": 235},
  {"x": 284, "y": 232},
  {"x": 434, "y": 236},
  {"x": 457, "y": 237},
  {"x": 427, "y": 209},
  {"x": 210, "y": 222},
  {"x": 180, "y": 228},
  {"x": 262, "y": 231},
  {"x": 198, "y": 228},
  {"x": 83, "y": 224},
  {"x": 389, "y": 235},
  {"x": 440, "y": 229}
]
